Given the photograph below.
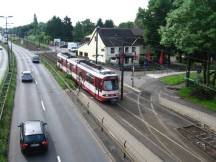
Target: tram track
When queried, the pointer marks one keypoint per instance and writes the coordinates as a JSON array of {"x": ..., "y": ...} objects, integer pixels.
[{"x": 146, "y": 129}]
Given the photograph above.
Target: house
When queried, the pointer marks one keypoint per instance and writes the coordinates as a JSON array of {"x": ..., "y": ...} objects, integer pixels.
[{"x": 110, "y": 45}]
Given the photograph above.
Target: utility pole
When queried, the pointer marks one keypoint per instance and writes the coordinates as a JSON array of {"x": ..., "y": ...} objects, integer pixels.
[
  {"x": 8, "y": 50},
  {"x": 96, "y": 39},
  {"x": 122, "y": 57}
]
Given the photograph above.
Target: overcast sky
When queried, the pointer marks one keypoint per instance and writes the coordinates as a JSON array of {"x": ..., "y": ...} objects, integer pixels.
[{"x": 78, "y": 10}]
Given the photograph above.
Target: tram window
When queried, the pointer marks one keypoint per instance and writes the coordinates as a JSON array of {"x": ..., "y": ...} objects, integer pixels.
[
  {"x": 90, "y": 79},
  {"x": 110, "y": 85}
]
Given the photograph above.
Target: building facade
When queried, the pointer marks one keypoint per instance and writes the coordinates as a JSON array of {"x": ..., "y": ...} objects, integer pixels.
[{"x": 109, "y": 44}]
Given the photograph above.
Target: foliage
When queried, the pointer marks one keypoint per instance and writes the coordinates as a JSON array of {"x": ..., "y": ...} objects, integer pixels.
[
  {"x": 56, "y": 28},
  {"x": 191, "y": 28},
  {"x": 109, "y": 24},
  {"x": 99, "y": 23},
  {"x": 151, "y": 19},
  {"x": 83, "y": 29},
  {"x": 128, "y": 24},
  {"x": 35, "y": 25}
]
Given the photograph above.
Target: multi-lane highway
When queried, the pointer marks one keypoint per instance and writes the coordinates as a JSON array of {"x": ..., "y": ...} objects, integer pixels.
[{"x": 70, "y": 138}]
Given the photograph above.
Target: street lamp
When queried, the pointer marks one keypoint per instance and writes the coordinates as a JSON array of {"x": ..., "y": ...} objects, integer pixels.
[{"x": 6, "y": 17}]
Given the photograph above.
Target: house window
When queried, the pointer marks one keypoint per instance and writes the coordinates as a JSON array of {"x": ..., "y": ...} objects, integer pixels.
[
  {"x": 126, "y": 49},
  {"x": 120, "y": 49},
  {"x": 81, "y": 53},
  {"x": 112, "y": 50},
  {"x": 126, "y": 60},
  {"x": 86, "y": 54},
  {"x": 133, "y": 49}
]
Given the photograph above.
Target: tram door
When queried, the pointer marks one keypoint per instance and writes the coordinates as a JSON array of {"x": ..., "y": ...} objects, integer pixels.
[{"x": 98, "y": 86}]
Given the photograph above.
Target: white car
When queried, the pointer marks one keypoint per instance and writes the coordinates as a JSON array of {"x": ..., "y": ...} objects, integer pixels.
[{"x": 27, "y": 76}]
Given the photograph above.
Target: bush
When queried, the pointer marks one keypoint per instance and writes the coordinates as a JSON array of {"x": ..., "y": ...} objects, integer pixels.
[{"x": 203, "y": 93}]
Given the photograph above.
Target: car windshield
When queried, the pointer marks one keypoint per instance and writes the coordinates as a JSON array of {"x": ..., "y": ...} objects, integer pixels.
[
  {"x": 34, "y": 138},
  {"x": 110, "y": 85},
  {"x": 27, "y": 75}
]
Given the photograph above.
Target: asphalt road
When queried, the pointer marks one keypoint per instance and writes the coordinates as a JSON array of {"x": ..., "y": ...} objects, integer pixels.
[{"x": 70, "y": 138}]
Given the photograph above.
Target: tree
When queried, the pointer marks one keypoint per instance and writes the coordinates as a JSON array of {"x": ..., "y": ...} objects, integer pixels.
[
  {"x": 191, "y": 28},
  {"x": 67, "y": 29},
  {"x": 35, "y": 25},
  {"x": 128, "y": 24},
  {"x": 150, "y": 21},
  {"x": 109, "y": 24},
  {"x": 99, "y": 23},
  {"x": 83, "y": 29},
  {"x": 54, "y": 27}
]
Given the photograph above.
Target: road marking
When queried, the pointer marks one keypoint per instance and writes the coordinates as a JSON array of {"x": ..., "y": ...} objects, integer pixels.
[
  {"x": 58, "y": 158},
  {"x": 155, "y": 136},
  {"x": 36, "y": 82},
  {"x": 152, "y": 106},
  {"x": 135, "y": 89},
  {"x": 43, "y": 105}
]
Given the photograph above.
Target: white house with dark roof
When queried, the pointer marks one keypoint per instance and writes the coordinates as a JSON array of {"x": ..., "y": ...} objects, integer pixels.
[{"x": 111, "y": 42}]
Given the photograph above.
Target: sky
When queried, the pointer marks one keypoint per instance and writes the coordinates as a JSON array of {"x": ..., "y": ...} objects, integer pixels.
[{"x": 78, "y": 10}]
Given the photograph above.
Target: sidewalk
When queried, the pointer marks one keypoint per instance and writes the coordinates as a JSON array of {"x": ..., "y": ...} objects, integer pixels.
[{"x": 3, "y": 63}]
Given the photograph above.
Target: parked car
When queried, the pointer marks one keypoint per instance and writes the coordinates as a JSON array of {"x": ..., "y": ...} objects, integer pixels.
[
  {"x": 33, "y": 136},
  {"x": 27, "y": 76},
  {"x": 36, "y": 59}
]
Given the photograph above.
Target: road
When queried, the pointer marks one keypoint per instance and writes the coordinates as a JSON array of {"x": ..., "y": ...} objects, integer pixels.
[
  {"x": 3, "y": 63},
  {"x": 70, "y": 138}
]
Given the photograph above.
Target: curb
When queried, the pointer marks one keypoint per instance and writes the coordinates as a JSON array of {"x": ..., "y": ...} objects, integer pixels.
[
  {"x": 196, "y": 115},
  {"x": 136, "y": 150}
]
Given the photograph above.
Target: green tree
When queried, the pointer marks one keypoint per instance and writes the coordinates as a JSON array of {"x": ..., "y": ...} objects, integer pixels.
[
  {"x": 83, "y": 29},
  {"x": 99, "y": 23},
  {"x": 128, "y": 24},
  {"x": 54, "y": 27},
  {"x": 35, "y": 25},
  {"x": 191, "y": 28},
  {"x": 109, "y": 24},
  {"x": 67, "y": 29},
  {"x": 150, "y": 21}
]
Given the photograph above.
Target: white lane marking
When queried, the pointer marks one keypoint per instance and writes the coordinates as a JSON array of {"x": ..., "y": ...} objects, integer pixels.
[
  {"x": 58, "y": 158},
  {"x": 43, "y": 105},
  {"x": 36, "y": 82},
  {"x": 152, "y": 106}
]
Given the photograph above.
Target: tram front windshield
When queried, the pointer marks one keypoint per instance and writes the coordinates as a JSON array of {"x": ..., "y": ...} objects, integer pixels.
[{"x": 111, "y": 85}]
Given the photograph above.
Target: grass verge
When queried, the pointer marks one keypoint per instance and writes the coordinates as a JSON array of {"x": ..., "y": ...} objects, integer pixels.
[
  {"x": 186, "y": 94},
  {"x": 7, "y": 116},
  {"x": 176, "y": 79},
  {"x": 54, "y": 69}
]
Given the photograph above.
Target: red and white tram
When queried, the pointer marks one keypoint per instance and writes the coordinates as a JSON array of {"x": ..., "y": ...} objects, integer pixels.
[{"x": 100, "y": 82}]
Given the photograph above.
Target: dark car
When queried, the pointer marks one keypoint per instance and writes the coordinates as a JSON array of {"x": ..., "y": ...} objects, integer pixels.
[
  {"x": 36, "y": 59},
  {"x": 33, "y": 136},
  {"x": 27, "y": 76}
]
